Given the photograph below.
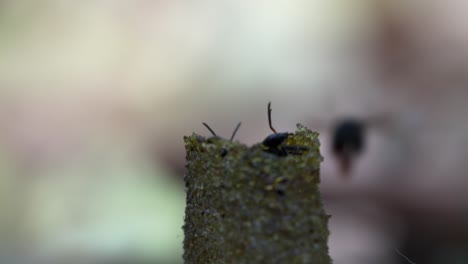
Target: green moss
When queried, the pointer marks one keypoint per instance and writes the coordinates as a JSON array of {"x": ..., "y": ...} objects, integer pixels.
[{"x": 245, "y": 205}]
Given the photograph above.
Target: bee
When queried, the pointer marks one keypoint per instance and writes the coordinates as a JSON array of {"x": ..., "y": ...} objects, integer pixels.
[
  {"x": 348, "y": 142},
  {"x": 223, "y": 151},
  {"x": 214, "y": 134},
  {"x": 274, "y": 142},
  {"x": 349, "y": 137}
]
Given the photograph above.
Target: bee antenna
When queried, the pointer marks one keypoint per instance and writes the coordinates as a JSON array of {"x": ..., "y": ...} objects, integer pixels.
[
  {"x": 269, "y": 117},
  {"x": 209, "y": 128},
  {"x": 235, "y": 131}
]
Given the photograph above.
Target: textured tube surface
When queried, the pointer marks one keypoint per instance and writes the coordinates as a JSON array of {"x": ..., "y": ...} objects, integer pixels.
[{"x": 246, "y": 205}]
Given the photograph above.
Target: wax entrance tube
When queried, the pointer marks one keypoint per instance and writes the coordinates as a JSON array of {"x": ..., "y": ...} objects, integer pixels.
[{"x": 247, "y": 205}]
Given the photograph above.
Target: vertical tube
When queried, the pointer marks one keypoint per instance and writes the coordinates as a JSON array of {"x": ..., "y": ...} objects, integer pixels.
[{"x": 246, "y": 205}]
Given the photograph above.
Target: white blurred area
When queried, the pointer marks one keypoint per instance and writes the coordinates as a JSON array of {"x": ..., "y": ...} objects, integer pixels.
[{"x": 95, "y": 97}]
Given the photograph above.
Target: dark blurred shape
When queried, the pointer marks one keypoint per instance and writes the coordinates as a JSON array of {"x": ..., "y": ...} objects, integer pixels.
[{"x": 348, "y": 142}]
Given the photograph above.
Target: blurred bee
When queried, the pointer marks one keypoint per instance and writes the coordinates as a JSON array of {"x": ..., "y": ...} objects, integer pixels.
[
  {"x": 274, "y": 142},
  {"x": 348, "y": 141}
]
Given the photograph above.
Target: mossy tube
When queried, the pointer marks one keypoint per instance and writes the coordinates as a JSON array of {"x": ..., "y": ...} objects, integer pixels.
[{"x": 246, "y": 205}]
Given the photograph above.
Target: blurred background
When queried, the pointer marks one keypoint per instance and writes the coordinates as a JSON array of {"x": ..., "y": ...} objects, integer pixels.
[{"x": 96, "y": 96}]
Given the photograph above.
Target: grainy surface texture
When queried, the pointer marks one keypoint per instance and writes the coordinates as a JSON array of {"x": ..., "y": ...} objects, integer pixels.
[{"x": 246, "y": 205}]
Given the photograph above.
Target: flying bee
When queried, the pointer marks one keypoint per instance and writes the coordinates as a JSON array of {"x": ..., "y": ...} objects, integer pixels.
[
  {"x": 274, "y": 142},
  {"x": 223, "y": 151},
  {"x": 349, "y": 138},
  {"x": 348, "y": 142}
]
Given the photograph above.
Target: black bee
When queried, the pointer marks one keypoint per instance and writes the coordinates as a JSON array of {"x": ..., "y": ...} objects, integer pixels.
[
  {"x": 223, "y": 151},
  {"x": 348, "y": 142},
  {"x": 349, "y": 137},
  {"x": 274, "y": 142}
]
